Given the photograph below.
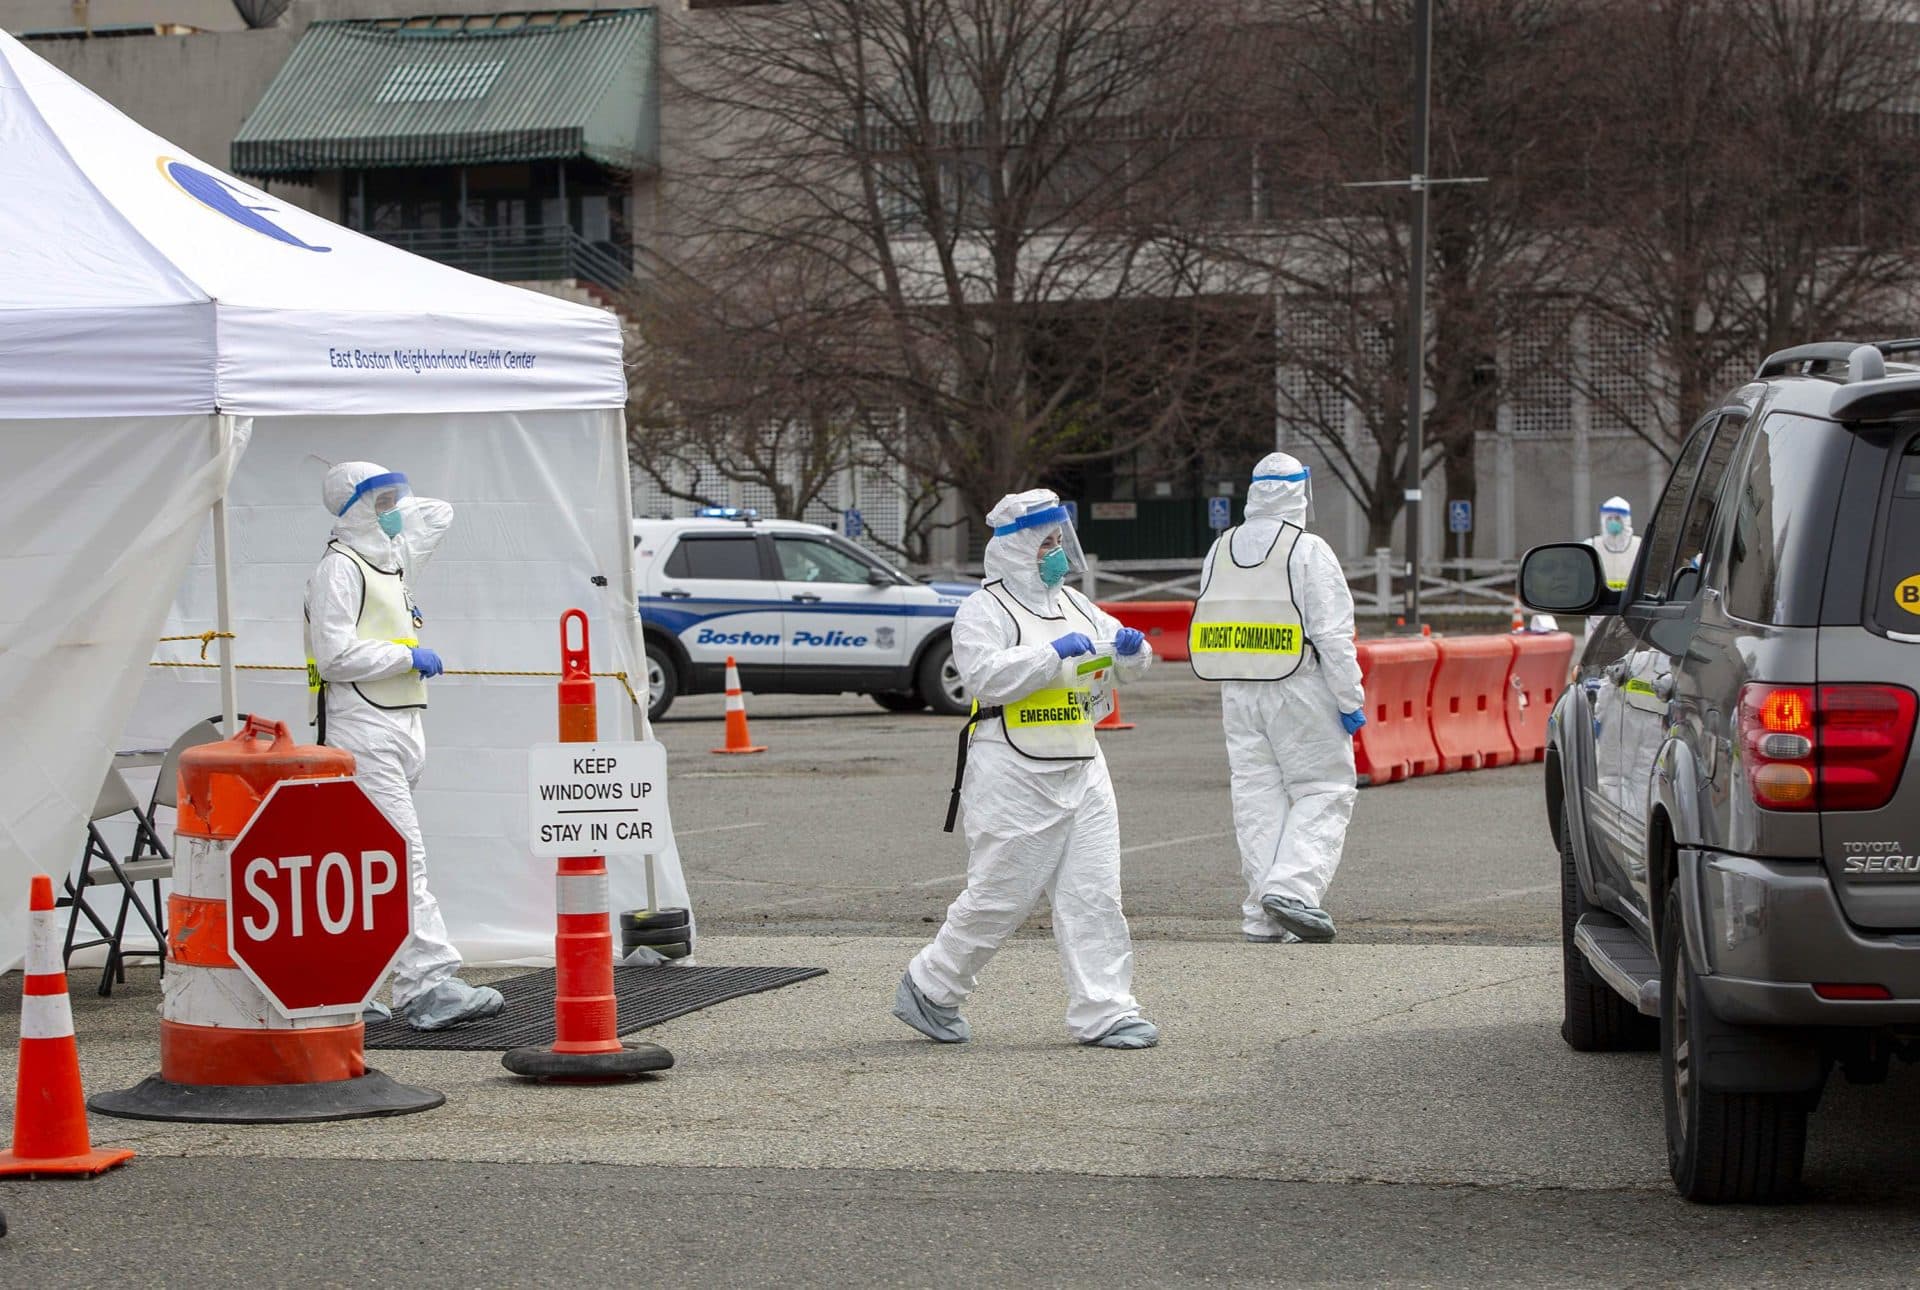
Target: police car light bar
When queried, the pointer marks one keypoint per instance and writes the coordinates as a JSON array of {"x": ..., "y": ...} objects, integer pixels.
[{"x": 727, "y": 513}]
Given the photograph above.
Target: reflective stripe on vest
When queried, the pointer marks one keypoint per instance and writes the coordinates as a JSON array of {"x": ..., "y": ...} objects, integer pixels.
[
  {"x": 386, "y": 614},
  {"x": 1245, "y": 625},
  {"x": 1055, "y": 723}
]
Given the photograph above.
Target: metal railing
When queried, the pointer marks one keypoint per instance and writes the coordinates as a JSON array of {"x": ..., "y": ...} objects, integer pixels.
[
  {"x": 539, "y": 253},
  {"x": 1448, "y": 588}
]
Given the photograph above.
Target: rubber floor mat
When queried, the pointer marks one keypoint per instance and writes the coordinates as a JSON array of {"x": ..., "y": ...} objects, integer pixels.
[{"x": 647, "y": 996}]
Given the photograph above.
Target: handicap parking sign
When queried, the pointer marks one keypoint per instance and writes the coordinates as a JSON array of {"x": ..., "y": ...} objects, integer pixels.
[
  {"x": 1219, "y": 513},
  {"x": 1459, "y": 517},
  {"x": 852, "y": 524}
]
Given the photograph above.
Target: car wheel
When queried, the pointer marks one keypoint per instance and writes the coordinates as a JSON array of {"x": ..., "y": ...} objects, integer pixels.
[
  {"x": 940, "y": 683},
  {"x": 900, "y": 701},
  {"x": 1595, "y": 1019},
  {"x": 663, "y": 680},
  {"x": 1721, "y": 1147}
]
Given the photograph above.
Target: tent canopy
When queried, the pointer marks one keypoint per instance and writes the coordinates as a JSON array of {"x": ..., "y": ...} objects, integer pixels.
[{"x": 137, "y": 280}]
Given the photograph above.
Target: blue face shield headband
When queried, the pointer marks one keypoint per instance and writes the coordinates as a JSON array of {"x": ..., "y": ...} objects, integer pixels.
[
  {"x": 1296, "y": 477},
  {"x": 393, "y": 479},
  {"x": 1051, "y": 515}
]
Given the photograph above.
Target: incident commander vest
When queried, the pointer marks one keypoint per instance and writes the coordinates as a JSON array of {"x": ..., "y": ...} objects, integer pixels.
[
  {"x": 386, "y": 614},
  {"x": 1246, "y": 626},
  {"x": 1055, "y": 723}
]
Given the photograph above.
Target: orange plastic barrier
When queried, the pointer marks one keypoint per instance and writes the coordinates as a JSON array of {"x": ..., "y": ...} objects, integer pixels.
[
  {"x": 1397, "y": 740},
  {"x": 1541, "y": 664},
  {"x": 1164, "y": 622},
  {"x": 1468, "y": 702}
]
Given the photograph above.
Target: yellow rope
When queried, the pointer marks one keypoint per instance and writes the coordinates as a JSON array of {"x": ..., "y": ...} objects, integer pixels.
[
  {"x": 205, "y": 639},
  {"x": 625, "y": 682}
]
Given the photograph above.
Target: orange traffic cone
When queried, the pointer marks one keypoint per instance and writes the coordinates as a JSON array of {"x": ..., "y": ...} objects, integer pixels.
[
  {"x": 738, "y": 741},
  {"x": 49, "y": 1107},
  {"x": 1112, "y": 720},
  {"x": 1519, "y": 618}
]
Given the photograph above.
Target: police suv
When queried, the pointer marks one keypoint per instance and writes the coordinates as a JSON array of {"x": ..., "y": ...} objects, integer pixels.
[{"x": 801, "y": 609}]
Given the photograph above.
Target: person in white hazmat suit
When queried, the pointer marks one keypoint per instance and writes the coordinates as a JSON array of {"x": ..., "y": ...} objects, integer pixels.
[
  {"x": 1616, "y": 542},
  {"x": 1274, "y": 626},
  {"x": 367, "y": 677},
  {"x": 1040, "y": 811}
]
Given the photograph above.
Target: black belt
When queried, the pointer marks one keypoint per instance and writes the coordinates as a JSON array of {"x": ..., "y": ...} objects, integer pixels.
[{"x": 960, "y": 760}]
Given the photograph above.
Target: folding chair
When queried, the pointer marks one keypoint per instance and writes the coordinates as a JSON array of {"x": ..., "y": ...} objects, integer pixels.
[
  {"x": 99, "y": 867},
  {"x": 166, "y": 787}
]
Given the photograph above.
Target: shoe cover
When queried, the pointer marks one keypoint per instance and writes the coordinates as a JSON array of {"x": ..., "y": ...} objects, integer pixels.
[
  {"x": 1278, "y": 938},
  {"x": 1304, "y": 921},
  {"x": 453, "y": 1002},
  {"x": 1134, "y": 1032},
  {"x": 930, "y": 1019},
  {"x": 376, "y": 1011}
]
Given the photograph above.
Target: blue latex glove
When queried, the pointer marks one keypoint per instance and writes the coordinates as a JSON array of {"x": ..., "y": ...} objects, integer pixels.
[
  {"x": 1127, "y": 641},
  {"x": 1352, "y": 721},
  {"x": 426, "y": 662},
  {"x": 1073, "y": 643}
]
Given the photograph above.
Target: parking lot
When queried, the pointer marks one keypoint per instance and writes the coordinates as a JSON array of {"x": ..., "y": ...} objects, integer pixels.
[{"x": 1396, "y": 1106}]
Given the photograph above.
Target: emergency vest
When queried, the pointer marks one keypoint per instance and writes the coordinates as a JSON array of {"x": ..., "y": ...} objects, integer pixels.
[
  {"x": 1055, "y": 723},
  {"x": 1616, "y": 566},
  {"x": 387, "y": 614},
  {"x": 1245, "y": 625}
]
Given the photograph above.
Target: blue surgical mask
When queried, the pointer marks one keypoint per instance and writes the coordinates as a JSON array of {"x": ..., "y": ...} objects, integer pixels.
[
  {"x": 391, "y": 522},
  {"x": 1614, "y": 527},
  {"x": 1053, "y": 567}
]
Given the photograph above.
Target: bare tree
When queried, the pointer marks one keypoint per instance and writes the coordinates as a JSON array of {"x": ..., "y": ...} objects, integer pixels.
[
  {"x": 989, "y": 194},
  {"x": 1754, "y": 190},
  {"x": 1506, "y": 111}
]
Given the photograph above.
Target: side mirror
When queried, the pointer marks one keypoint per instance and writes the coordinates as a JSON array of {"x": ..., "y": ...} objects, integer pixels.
[
  {"x": 879, "y": 578},
  {"x": 1565, "y": 578}
]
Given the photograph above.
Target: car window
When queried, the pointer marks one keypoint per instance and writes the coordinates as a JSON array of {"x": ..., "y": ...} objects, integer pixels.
[
  {"x": 1781, "y": 521},
  {"x": 808, "y": 560},
  {"x": 1660, "y": 578},
  {"x": 728, "y": 557},
  {"x": 1896, "y": 606},
  {"x": 1663, "y": 534}
]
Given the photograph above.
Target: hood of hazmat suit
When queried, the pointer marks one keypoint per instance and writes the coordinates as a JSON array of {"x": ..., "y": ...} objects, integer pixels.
[
  {"x": 1291, "y": 761},
  {"x": 1033, "y": 827},
  {"x": 1617, "y": 510}
]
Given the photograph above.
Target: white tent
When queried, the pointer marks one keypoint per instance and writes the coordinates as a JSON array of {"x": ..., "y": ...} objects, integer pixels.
[{"x": 181, "y": 355}]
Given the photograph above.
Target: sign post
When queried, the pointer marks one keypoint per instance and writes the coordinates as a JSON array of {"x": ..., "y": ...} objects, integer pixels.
[{"x": 1459, "y": 523}]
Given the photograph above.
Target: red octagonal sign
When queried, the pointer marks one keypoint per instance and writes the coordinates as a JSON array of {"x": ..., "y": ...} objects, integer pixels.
[{"x": 317, "y": 896}]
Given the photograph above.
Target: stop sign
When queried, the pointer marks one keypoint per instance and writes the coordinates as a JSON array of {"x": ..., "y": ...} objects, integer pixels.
[{"x": 317, "y": 896}]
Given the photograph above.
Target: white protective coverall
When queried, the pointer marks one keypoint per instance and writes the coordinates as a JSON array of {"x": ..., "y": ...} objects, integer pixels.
[
  {"x": 1291, "y": 760},
  {"x": 1033, "y": 826},
  {"x": 389, "y": 746},
  {"x": 1619, "y": 550}
]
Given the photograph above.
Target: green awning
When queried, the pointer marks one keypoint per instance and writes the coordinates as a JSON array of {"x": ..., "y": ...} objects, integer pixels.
[{"x": 454, "y": 90}]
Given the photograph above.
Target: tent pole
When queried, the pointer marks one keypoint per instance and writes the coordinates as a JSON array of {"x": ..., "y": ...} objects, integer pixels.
[
  {"x": 223, "y": 591},
  {"x": 629, "y": 588}
]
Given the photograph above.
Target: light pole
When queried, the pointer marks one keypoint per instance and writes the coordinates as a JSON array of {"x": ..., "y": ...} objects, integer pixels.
[{"x": 1418, "y": 183}]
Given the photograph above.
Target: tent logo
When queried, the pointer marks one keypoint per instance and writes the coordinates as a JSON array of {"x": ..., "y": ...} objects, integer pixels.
[{"x": 229, "y": 199}]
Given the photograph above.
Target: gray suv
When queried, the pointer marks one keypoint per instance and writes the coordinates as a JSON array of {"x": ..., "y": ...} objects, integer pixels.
[{"x": 1730, "y": 779}]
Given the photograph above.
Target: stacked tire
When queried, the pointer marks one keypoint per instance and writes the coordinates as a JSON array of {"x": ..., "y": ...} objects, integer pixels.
[{"x": 667, "y": 932}]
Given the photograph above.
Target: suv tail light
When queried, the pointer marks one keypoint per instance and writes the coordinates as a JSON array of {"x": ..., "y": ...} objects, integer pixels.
[{"x": 1827, "y": 747}]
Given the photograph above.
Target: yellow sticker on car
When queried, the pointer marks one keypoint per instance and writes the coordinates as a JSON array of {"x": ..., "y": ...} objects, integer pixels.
[{"x": 1907, "y": 595}]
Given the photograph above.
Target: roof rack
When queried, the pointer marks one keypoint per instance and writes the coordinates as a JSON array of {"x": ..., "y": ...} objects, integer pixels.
[{"x": 1829, "y": 358}]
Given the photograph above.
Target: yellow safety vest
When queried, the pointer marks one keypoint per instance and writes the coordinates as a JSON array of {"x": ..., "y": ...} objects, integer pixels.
[
  {"x": 386, "y": 614},
  {"x": 1245, "y": 625},
  {"x": 1055, "y": 723}
]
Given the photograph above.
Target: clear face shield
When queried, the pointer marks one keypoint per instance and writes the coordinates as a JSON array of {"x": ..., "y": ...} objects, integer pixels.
[
  {"x": 1058, "y": 547},
  {"x": 384, "y": 496},
  {"x": 1298, "y": 483}
]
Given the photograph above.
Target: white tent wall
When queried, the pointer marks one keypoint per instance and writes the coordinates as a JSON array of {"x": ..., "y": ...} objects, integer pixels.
[
  {"x": 100, "y": 527},
  {"x": 540, "y": 509}
]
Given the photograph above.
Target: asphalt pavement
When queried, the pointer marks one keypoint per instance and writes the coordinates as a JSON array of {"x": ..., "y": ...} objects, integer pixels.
[{"x": 1394, "y": 1108}]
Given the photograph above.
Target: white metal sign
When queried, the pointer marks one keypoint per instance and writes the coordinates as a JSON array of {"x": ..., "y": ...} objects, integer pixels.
[{"x": 597, "y": 799}]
